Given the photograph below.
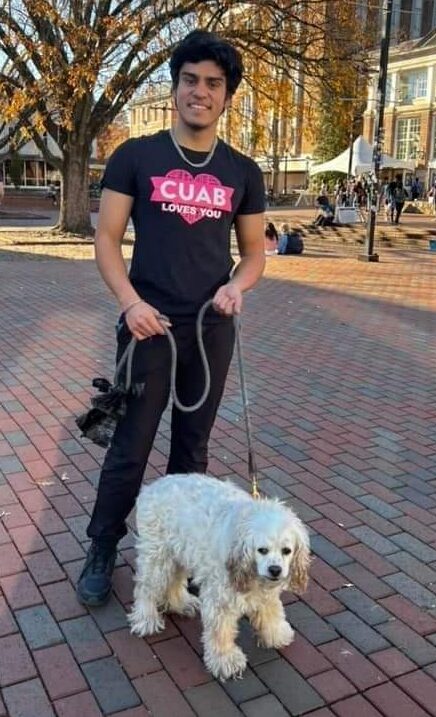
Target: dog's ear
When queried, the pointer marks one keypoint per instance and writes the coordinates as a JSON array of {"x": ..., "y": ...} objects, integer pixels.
[
  {"x": 241, "y": 567},
  {"x": 299, "y": 573}
]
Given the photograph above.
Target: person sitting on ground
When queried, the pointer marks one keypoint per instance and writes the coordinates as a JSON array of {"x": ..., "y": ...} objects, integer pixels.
[
  {"x": 290, "y": 242},
  {"x": 271, "y": 239},
  {"x": 326, "y": 214}
]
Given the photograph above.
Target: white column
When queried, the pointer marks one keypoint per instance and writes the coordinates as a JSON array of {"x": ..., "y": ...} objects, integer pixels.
[
  {"x": 370, "y": 106},
  {"x": 430, "y": 83},
  {"x": 432, "y": 153},
  {"x": 394, "y": 99}
]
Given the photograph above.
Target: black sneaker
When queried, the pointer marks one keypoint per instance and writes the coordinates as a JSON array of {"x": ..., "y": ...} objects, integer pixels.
[{"x": 94, "y": 585}]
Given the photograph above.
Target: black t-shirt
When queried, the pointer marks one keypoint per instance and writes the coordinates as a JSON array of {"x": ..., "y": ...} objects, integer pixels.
[{"x": 182, "y": 217}]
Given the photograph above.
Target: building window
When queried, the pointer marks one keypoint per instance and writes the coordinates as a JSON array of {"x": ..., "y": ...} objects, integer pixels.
[
  {"x": 413, "y": 85},
  {"x": 408, "y": 138},
  {"x": 390, "y": 94},
  {"x": 433, "y": 156},
  {"x": 416, "y": 18},
  {"x": 396, "y": 17}
]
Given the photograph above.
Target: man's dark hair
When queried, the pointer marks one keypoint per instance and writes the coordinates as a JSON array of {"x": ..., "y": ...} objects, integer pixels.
[{"x": 201, "y": 45}]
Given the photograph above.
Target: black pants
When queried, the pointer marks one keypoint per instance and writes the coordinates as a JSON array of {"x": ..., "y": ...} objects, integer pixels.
[
  {"x": 127, "y": 456},
  {"x": 396, "y": 207}
]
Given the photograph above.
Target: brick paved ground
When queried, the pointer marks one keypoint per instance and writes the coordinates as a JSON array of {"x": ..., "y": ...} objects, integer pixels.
[{"x": 341, "y": 366}]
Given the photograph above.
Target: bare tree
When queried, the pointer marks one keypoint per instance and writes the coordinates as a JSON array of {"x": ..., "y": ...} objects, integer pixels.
[{"x": 72, "y": 65}]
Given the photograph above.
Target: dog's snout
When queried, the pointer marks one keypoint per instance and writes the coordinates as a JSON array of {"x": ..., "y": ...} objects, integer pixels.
[{"x": 274, "y": 570}]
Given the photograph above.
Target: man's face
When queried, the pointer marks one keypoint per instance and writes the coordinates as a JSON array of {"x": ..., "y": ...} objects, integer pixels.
[{"x": 201, "y": 95}]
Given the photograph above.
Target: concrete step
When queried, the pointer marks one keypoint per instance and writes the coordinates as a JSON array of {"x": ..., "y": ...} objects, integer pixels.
[
  {"x": 353, "y": 236},
  {"x": 349, "y": 239}
]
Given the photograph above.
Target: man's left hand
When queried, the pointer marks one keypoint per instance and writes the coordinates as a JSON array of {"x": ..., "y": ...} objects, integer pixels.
[{"x": 228, "y": 300}]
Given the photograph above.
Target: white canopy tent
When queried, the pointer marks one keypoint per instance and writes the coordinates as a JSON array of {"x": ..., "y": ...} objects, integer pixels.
[{"x": 361, "y": 161}]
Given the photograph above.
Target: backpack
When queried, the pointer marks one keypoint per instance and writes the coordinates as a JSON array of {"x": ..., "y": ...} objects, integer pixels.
[
  {"x": 294, "y": 244},
  {"x": 399, "y": 194}
]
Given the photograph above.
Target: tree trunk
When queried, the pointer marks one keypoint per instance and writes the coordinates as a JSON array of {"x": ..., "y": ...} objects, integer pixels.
[
  {"x": 275, "y": 153},
  {"x": 74, "y": 214}
]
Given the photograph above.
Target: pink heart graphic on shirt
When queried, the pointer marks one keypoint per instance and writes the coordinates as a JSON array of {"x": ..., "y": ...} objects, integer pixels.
[{"x": 192, "y": 198}]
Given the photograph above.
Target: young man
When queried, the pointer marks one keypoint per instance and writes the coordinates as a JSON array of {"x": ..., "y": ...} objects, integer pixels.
[{"x": 183, "y": 189}]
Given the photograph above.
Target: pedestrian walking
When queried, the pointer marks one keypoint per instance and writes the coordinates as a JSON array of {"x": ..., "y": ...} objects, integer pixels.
[{"x": 397, "y": 197}]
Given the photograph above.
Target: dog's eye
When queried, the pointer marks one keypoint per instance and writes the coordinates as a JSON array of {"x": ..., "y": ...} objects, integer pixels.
[
  {"x": 263, "y": 551},
  {"x": 286, "y": 551}
]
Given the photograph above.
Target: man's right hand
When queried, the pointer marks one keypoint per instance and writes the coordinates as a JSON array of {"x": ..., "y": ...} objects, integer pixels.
[{"x": 143, "y": 321}]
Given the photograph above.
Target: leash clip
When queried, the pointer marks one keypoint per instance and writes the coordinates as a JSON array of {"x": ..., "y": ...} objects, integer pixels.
[{"x": 254, "y": 489}]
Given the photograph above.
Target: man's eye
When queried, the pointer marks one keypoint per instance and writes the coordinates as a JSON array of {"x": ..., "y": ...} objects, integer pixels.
[
  {"x": 263, "y": 551},
  {"x": 286, "y": 551}
]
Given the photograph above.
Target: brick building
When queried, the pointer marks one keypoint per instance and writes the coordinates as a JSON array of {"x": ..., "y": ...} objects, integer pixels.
[
  {"x": 410, "y": 114},
  {"x": 285, "y": 157},
  {"x": 152, "y": 110}
]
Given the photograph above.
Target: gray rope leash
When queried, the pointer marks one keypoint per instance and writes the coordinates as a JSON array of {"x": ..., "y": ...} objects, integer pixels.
[
  {"x": 127, "y": 359},
  {"x": 204, "y": 361},
  {"x": 252, "y": 467}
]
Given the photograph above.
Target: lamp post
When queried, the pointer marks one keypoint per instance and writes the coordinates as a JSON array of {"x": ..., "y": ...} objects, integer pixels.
[
  {"x": 369, "y": 254},
  {"x": 286, "y": 172},
  {"x": 350, "y": 148}
]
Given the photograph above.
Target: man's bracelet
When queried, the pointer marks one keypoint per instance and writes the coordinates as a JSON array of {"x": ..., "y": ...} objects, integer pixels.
[{"x": 130, "y": 306}]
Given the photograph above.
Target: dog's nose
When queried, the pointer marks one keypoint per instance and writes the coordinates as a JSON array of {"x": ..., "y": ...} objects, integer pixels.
[{"x": 275, "y": 570}]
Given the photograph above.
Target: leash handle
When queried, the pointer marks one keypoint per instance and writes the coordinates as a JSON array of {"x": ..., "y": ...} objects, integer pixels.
[
  {"x": 252, "y": 467},
  {"x": 199, "y": 332},
  {"x": 127, "y": 359}
]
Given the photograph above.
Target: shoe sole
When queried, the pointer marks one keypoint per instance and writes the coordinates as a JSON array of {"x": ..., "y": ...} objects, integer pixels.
[{"x": 93, "y": 601}]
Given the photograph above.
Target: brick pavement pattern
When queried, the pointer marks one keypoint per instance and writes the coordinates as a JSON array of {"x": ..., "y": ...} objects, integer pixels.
[{"x": 340, "y": 359}]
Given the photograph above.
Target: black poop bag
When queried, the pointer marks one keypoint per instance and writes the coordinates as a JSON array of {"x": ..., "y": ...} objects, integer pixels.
[{"x": 109, "y": 405}]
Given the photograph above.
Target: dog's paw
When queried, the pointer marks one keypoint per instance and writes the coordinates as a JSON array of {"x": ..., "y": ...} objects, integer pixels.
[
  {"x": 277, "y": 635},
  {"x": 228, "y": 665},
  {"x": 143, "y": 623},
  {"x": 190, "y": 607}
]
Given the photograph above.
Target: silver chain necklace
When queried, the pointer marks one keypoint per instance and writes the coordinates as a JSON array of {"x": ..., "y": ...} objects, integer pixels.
[{"x": 185, "y": 158}]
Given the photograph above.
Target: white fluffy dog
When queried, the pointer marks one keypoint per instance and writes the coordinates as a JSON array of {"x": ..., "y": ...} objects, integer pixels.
[{"x": 241, "y": 552}]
